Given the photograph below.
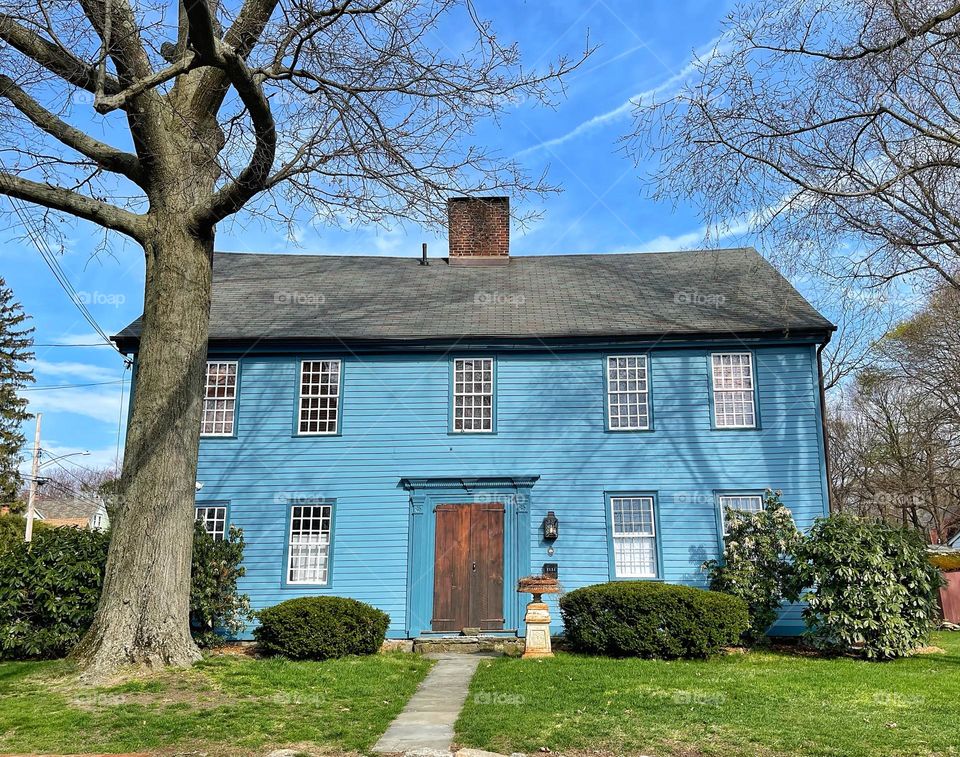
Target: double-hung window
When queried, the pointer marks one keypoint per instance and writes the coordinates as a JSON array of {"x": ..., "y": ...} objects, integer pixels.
[
  {"x": 473, "y": 395},
  {"x": 308, "y": 548},
  {"x": 733, "y": 390},
  {"x": 744, "y": 503},
  {"x": 634, "y": 535},
  {"x": 214, "y": 519},
  {"x": 319, "y": 411},
  {"x": 219, "y": 398},
  {"x": 628, "y": 393}
]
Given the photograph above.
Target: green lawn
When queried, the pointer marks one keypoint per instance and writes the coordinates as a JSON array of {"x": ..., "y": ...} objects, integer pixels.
[
  {"x": 225, "y": 705},
  {"x": 762, "y": 703}
]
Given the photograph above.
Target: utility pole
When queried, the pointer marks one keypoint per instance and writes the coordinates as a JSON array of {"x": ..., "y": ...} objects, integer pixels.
[{"x": 28, "y": 536}]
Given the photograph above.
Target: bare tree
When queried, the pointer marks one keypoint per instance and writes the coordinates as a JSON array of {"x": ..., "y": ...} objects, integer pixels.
[
  {"x": 895, "y": 435},
  {"x": 358, "y": 109},
  {"x": 830, "y": 126}
]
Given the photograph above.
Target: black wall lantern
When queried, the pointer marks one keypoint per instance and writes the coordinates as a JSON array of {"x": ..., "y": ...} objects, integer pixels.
[{"x": 551, "y": 526}]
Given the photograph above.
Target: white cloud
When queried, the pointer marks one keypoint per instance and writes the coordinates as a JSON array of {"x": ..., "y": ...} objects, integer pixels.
[
  {"x": 79, "y": 339},
  {"x": 75, "y": 371},
  {"x": 100, "y": 404},
  {"x": 668, "y": 85}
]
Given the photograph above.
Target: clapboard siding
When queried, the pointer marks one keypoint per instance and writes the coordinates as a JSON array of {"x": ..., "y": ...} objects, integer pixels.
[{"x": 550, "y": 423}]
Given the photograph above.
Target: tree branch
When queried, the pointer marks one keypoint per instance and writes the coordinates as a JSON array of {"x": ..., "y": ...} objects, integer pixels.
[
  {"x": 106, "y": 104},
  {"x": 124, "y": 46},
  {"x": 253, "y": 178},
  {"x": 52, "y": 57},
  {"x": 104, "y": 155},
  {"x": 242, "y": 37},
  {"x": 66, "y": 201}
]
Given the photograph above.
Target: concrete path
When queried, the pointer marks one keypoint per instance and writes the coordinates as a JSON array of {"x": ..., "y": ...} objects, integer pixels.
[{"x": 427, "y": 720}]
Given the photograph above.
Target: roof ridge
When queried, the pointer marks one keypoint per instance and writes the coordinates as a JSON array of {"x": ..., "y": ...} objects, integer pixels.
[{"x": 700, "y": 251}]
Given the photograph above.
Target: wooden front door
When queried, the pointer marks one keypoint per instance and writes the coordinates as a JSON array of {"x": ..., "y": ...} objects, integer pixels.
[{"x": 468, "y": 567}]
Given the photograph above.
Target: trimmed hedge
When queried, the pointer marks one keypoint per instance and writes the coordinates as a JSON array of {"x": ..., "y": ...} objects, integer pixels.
[
  {"x": 320, "y": 628},
  {"x": 650, "y": 619}
]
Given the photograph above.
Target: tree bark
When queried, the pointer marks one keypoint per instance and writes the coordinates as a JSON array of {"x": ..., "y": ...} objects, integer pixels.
[{"x": 143, "y": 615}]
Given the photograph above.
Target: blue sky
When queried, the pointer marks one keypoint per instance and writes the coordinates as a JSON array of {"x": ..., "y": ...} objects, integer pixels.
[{"x": 604, "y": 207}]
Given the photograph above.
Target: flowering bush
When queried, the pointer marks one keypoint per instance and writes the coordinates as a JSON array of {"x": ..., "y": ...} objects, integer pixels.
[
  {"x": 874, "y": 589},
  {"x": 756, "y": 564}
]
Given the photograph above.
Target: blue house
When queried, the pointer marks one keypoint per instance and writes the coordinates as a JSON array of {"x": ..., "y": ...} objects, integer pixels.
[{"x": 409, "y": 432}]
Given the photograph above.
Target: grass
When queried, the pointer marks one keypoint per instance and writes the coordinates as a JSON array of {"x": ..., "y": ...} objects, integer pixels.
[
  {"x": 225, "y": 705},
  {"x": 761, "y": 703}
]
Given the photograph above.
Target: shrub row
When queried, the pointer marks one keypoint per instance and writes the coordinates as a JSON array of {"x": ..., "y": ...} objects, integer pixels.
[
  {"x": 868, "y": 585},
  {"x": 49, "y": 589}
]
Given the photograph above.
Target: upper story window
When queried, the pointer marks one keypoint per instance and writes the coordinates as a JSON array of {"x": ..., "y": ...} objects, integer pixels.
[
  {"x": 319, "y": 397},
  {"x": 308, "y": 553},
  {"x": 733, "y": 390},
  {"x": 745, "y": 503},
  {"x": 214, "y": 519},
  {"x": 634, "y": 536},
  {"x": 473, "y": 395},
  {"x": 219, "y": 398},
  {"x": 628, "y": 393}
]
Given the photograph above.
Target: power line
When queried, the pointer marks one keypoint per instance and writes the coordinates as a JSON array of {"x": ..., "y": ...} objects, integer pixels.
[
  {"x": 88, "y": 344},
  {"x": 50, "y": 259},
  {"x": 69, "y": 386}
]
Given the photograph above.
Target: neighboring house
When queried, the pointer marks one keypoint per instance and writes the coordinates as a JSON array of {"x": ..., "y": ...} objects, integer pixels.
[
  {"x": 86, "y": 511},
  {"x": 399, "y": 432}
]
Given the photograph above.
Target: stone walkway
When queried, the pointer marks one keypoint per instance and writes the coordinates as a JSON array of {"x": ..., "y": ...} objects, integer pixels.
[{"x": 427, "y": 720}]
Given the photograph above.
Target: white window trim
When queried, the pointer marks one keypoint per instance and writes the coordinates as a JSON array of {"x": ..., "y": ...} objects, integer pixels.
[
  {"x": 646, "y": 393},
  {"x": 289, "y": 551},
  {"x": 652, "y": 534},
  {"x": 205, "y": 507},
  {"x": 301, "y": 396},
  {"x": 233, "y": 412},
  {"x": 752, "y": 390},
  {"x": 492, "y": 395},
  {"x": 734, "y": 495}
]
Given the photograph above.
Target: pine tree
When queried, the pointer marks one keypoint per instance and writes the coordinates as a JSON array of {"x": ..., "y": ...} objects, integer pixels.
[{"x": 15, "y": 342}]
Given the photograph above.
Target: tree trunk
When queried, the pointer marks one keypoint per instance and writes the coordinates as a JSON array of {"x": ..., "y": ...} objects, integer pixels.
[{"x": 143, "y": 615}]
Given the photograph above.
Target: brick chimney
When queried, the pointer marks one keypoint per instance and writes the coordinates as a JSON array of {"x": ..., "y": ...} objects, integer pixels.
[{"x": 479, "y": 230}]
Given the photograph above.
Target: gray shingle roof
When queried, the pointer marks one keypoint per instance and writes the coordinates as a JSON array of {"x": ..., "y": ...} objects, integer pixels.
[
  {"x": 65, "y": 508},
  {"x": 320, "y": 297}
]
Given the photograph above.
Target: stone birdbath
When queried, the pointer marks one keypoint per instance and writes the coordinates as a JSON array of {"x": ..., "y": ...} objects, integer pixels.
[{"x": 538, "y": 614}]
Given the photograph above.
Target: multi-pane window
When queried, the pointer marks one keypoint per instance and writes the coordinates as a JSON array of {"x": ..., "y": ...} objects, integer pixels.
[
  {"x": 627, "y": 393},
  {"x": 214, "y": 519},
  {"x": 319, "y": 396},
  {"x": 473, "y": 394},
  {"x": 634, "y": 537},
  {"x": 746, "y": 503},
  {"x": 309, "y": 547},
  {"x": 219, "y": 398},
  {"x": 733, "y": 390}
]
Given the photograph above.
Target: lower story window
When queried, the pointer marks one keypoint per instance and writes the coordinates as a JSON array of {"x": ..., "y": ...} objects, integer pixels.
[
  {"x": 308, "y": 559},
  {"x": 214, "y": 519},
  {"x": 744, "y": 503},
  {"x": 634, "y": 536}
]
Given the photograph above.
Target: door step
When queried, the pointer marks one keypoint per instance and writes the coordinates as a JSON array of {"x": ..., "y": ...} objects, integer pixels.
[{"x": 511, "y": 646}]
